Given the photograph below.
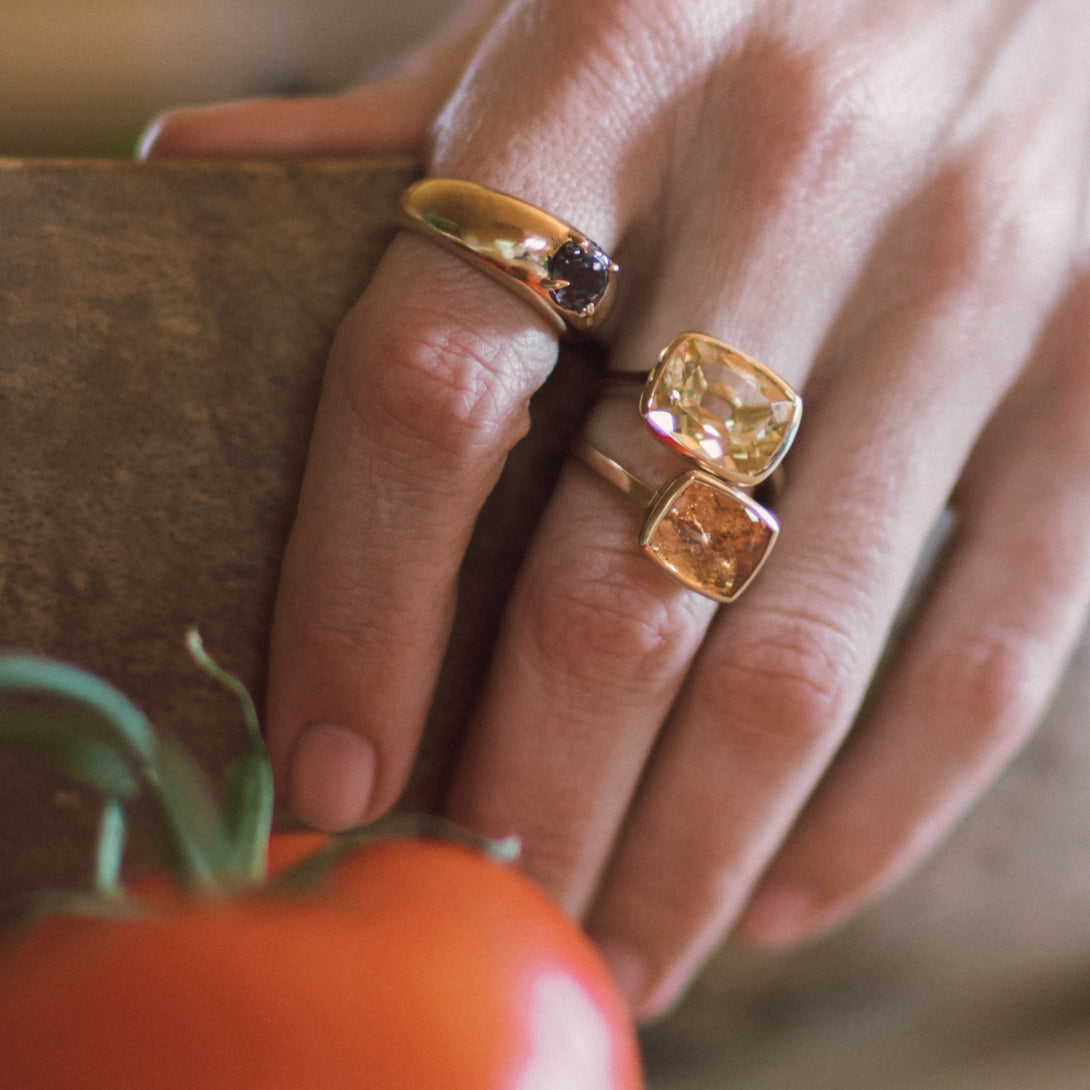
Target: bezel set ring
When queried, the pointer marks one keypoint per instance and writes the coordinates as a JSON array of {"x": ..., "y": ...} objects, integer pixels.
[{"x": 733, "y": 419}]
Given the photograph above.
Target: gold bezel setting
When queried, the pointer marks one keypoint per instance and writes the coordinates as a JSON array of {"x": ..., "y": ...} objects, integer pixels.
[
  {"x": 714, "y": 545},
  {"x": 721, "y": 408},
  {"x": 708, "y": 536}
]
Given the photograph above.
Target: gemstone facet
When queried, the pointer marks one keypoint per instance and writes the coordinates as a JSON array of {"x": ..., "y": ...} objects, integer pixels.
[
  {"x": 722, "y": 408},
  {"x": 585, "y": 268},
  {"x": 708, "y": 536}
]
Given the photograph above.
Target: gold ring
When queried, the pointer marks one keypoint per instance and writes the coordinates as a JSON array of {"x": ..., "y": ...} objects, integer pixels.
[
  {"x": 708, "y": 535},
  {"x": 719, "y": 407},
  {"x": 557, "y": 269}
]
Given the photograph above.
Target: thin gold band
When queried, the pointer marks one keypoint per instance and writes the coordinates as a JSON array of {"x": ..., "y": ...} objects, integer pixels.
[
  {"x": 614, "y": 472},
  {"x": 767, "y": 492}
]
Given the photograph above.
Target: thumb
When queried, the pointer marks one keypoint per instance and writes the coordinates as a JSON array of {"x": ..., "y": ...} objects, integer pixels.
[
  {"x": 364, "y": 120},
  {"x": 389, "y": 115}
]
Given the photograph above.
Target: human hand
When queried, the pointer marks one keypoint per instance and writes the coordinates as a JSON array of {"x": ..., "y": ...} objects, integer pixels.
[{"x": 885, "y": 202}]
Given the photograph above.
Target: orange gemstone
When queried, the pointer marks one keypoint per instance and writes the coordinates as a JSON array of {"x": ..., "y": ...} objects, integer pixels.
[
  {"x": 708, "y": 535},
  {"x": 722, "y": 408}
]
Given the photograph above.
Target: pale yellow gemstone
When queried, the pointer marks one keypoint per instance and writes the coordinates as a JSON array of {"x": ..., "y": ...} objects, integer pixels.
[
  {"x": 721, "y": 407},
  {"x": 710, "y": 537}
]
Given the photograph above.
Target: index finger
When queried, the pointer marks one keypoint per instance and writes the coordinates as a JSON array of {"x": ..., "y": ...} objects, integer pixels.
[{"x": 426, "y": 390}]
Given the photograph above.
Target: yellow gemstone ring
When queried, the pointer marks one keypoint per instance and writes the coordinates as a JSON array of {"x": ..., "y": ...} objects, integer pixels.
[
  {"x": 707, "y": 534},
  {"x": 723, "y": 409},
  {"x": 734, "y": 418},
  {"x": 554, "y": 267}
]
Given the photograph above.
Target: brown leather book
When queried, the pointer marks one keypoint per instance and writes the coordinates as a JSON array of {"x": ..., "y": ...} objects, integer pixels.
[{"x": 163, "y": 328}]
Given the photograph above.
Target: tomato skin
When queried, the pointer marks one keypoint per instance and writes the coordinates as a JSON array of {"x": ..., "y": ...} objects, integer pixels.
[{"x": 419, "y": 965}]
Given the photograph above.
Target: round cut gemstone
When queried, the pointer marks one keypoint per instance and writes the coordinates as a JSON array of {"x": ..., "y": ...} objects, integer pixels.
[{"x": 585, "y": 268}]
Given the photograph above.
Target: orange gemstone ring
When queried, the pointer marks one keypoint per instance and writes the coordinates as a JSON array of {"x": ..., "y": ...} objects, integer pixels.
[
  {"x": 554, "y": 267},
  {"x": 719, "y": 407},
  {"x": 735, "y": 419},
  {"x": 704, "y": 532}
]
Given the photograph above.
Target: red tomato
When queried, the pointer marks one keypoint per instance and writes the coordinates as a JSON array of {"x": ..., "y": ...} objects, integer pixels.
[{"x": 419, "y": 965}]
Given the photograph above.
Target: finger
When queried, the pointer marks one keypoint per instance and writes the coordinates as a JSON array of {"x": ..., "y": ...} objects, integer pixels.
[
  {"x": 587, "y": 665},
  {"x": 782, "y": 673},
  {"x": 597, "y": 640},
  {"x": 979, "y": 667},
  {"x": 376, "y": 119},
  {"x": 426, "y": 390}
]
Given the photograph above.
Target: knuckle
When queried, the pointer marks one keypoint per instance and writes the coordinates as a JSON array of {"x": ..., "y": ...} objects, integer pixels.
[
  {"x": 993, "y": 223},
  {"x": 990, "y": 680},
  {"x": 445, "y": 392},
  {"x": 328, "y": 628},
  {"x": 834, "y": 125},
  {"x": 790, "y": 683},
  {"x": 607, "y": 626}
]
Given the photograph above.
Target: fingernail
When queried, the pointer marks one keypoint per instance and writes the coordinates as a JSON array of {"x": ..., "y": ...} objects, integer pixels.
[
  {"x": 331, "y": 778},
  {"x": 780, "y": 915},
  {"x": 628, "y": 968},
  {"x": 147, "y": 139}
]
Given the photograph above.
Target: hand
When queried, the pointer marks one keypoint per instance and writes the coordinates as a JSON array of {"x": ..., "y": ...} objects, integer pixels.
[{"x": 887, "y": 203}]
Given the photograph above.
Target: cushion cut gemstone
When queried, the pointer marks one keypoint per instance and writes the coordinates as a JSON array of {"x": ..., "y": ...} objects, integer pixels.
[
  {"x": 721, "y": 407},
  {"x": 585, "y": 268},
  {"x": 709, "y": 536}
]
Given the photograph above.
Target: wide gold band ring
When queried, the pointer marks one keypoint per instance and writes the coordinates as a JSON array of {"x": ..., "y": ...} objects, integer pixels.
[
  {"x": 550, "y": 264},
  {"x": 705, "y": 533}
]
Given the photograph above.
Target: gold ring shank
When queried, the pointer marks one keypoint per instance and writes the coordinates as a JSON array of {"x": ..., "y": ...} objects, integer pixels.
[
  {"x": 518, "y": 244},
  {"x": 614, "y": 472}
]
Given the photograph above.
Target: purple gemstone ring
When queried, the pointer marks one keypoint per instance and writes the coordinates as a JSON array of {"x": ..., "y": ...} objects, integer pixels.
[{"x": 554, "y": 267}]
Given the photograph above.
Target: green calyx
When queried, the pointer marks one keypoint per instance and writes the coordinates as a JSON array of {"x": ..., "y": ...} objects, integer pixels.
[
  {"x": 86, "y": 729},
  {"x": 83, "y": 727}
]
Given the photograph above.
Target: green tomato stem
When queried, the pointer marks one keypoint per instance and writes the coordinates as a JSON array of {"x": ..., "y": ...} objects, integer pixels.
[
  {"x": 311, "y": 872},
  {"x": 110, "y": 851},
  {"x": 195, "y": 646},
  {"x": 85, "y": 728},
  {"x": 248, "y": 809},
  {"x": 104, "y": 707}
]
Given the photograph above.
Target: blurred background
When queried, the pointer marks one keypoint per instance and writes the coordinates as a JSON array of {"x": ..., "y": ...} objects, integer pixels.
[{"x": 83, "y": 77}]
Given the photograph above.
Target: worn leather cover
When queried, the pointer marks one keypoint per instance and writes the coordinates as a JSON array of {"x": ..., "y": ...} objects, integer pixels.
[{"x": 163, "y": 328}]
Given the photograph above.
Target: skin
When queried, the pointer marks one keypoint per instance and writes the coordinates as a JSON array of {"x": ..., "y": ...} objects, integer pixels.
[{"x": 887, "y": 203}]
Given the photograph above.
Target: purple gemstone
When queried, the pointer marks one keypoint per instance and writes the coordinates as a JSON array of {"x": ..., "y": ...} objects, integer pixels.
[{"x": 586, "y": 269}]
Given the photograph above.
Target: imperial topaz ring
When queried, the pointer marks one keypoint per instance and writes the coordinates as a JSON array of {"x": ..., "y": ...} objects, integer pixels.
[
  {"x": 707, "y": 534},
  {"x": 725, "y": 410},
  {"x": 547, "y": 262}
]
